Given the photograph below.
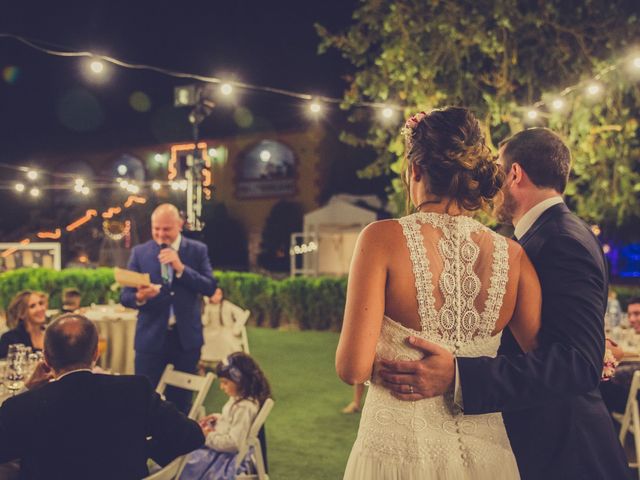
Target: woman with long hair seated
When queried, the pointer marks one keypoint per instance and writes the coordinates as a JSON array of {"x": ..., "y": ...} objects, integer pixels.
[{"x": 26, "y": 318}]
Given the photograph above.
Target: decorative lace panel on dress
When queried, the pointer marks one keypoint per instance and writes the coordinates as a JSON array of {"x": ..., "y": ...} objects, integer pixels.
[
  {"x": 458, "y": 320},
  {"x": 421, "y": 272}
]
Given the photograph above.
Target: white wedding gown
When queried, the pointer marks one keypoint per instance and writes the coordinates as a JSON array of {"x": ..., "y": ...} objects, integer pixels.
[{"x": 432, "y": 439}]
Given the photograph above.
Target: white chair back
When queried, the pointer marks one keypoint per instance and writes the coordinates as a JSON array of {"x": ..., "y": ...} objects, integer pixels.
[
  {"x": 187, "y": 381},
  {"x": 170, "y": 471},
  {"x": 630, "y": 421},
  {"x": 252, "y": 440}
]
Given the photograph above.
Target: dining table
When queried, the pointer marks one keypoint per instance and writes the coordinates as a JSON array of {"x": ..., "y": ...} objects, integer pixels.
[{"x": 117, "y": 327}]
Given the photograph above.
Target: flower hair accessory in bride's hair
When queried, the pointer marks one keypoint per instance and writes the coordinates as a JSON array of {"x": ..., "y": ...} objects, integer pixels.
[{"x": 413, "y": 121}]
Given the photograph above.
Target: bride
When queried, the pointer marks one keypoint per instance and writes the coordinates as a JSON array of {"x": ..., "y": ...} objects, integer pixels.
[{"x": 443, "y": 276}]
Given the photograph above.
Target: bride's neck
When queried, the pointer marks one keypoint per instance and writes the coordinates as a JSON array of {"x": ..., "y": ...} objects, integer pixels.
[{"x": 439, "y": 205}]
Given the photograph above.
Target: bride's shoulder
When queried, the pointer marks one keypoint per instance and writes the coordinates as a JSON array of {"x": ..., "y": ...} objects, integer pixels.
[{"x": 381, "y": 231}]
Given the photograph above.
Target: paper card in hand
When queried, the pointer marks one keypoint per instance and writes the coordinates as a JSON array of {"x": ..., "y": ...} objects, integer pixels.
[{"x": 129, "y": 278}]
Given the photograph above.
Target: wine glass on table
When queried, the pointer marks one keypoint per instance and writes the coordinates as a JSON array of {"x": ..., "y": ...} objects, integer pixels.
[{"x": 15, "y": 370}]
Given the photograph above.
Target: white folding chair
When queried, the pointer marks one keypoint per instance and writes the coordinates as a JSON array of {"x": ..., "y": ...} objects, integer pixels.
[
  {"x": 252, "y": 440},
  {"x": 187, "y": 381},
  {"x": 170, "y": 471},
  {"x": 630, "y": 421}
]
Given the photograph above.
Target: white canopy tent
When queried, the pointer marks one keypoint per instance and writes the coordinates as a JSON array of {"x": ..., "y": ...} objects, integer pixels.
[{"x": 326, "y": 245}]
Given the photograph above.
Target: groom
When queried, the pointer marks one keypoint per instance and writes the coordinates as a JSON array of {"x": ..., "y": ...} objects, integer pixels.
[{"x": 557, "y": 422}]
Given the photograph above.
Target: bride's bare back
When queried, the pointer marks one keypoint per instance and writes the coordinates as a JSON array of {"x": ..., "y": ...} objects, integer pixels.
[{"x": 447, "y": 277}]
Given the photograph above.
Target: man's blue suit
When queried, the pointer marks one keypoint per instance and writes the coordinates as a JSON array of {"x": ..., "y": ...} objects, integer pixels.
[{"x": 155, "y": 344}]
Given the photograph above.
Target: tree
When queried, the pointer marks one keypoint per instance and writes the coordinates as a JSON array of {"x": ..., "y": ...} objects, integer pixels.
[
  {"x": 499, "y": 57},
  {"x": 284, "y": 219},
  {"x": 226, "y": 239}
]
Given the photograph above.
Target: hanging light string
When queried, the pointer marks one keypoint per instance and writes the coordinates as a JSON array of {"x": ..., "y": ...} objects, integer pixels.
[
  {"x": 387, "y": 108},
  {"x": 191, "y": 76}
]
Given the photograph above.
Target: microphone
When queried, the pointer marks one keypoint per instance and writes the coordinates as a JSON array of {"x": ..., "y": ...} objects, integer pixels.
[{"x": 164, "y": 268}]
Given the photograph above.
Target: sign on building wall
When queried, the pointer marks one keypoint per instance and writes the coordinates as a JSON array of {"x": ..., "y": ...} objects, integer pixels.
[{"x": 266, "y": 170}]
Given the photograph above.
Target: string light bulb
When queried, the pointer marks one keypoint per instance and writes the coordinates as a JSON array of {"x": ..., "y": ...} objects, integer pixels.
[
  {"x": 532, "y": 114},
  {"x": 96, "y": 66},
  {"x": 32, "y": 175},
  {"x": 20, "y": 187},
  {"x": 155, "y": 186},
  {"x": 85, "y": 190},
  {"x": 226, "y": 89},
  {"x": 593, "y": 89},
  {"x": 122, "y": 169},
  {"x": 557, "y": 104},
  {"x": 635, "y": 63},
  {"x": 387, "y": 112},
  {"x": 34, "y": 192},
  {"x": 315, "y": 107}
]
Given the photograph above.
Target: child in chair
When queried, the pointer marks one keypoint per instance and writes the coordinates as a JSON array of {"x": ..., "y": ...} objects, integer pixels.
[{"x": 245, "y": 384}]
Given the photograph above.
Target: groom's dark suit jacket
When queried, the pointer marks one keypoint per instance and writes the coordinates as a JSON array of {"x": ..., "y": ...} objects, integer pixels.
[{"x": 557, "y": 423}]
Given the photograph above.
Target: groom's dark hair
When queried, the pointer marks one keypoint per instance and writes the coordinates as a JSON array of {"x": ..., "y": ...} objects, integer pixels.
[{"x": 543, "y": 156}]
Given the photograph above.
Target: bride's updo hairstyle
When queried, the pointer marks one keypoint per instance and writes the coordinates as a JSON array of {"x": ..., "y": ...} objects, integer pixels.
[{"x": 449, "y": 148}]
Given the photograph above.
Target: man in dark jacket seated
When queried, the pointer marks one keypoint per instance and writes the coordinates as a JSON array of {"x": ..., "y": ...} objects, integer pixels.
[{"x": 85, "y": 425}]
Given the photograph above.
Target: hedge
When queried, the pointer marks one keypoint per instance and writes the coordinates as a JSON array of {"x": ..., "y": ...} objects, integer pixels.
[{"x": 308, "y": 303}]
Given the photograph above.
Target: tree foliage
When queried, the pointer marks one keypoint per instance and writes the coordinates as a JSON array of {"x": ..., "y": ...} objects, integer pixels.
[{"x": 499, "y": 57}]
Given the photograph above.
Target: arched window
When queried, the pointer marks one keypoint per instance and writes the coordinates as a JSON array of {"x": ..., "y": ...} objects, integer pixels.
[{"x": 267, "y": 169}]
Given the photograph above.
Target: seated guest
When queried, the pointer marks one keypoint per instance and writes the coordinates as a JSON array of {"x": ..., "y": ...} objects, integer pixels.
[
  {"x": 633, "y": 313},
  {"x": 222, "y": 328},
  {"x": 71, "y": 298},
  {"x": 616, "y": 391},
  {"x": 245, "y": 384},
  {"x": 85, "y": 425},
  {"x": 26, "y": 318}
]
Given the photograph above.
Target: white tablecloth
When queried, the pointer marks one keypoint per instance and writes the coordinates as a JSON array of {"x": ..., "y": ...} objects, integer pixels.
[{"x": 118, "y": 325}]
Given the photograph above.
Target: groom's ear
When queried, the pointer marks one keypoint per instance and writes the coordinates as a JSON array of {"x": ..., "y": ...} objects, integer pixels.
[
  {"x": 517, "y": 172},
  {"x": 415, "y": 172}
]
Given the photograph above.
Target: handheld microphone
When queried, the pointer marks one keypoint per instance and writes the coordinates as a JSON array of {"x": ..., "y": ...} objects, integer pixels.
[{"x": 164, "y": 267}]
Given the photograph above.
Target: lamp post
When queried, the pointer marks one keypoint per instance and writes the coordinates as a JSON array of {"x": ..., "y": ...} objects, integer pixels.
[{"x": 196, "y": 96}]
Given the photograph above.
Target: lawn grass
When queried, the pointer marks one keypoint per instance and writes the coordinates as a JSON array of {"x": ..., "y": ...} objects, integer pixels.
[{"x": 307, "y": 436}]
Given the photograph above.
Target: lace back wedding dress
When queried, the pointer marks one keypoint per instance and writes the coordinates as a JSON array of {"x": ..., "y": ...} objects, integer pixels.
[{"x": 461, "y": 271}]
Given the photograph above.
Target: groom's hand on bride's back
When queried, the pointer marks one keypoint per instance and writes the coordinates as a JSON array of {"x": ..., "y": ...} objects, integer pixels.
[{"x": 429, "y": 377}]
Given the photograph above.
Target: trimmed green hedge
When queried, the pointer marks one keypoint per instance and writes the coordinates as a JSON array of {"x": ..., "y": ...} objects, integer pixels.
[{"x": 307, "y": 303}]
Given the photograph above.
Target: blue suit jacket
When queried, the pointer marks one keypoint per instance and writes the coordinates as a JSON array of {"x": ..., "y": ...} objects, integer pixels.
[
  {"x": 184, "y": 293},
  {"x": 557, "y": 423}
]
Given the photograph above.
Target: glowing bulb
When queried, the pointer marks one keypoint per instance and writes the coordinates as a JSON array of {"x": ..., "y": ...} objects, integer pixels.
[
  {"x": 183, "y": 185},
  {"x": 122, "y": 169},
  {"x": 124, "y": 184},
  {"x": 96, "y": 66},
  {"x": 155, "y": 186},
  {"x": 593, "y": 89},
  {"x": 34, "y": 192},
  {"x": 20, "y": 187},
  {"x": 606, "y": 248},
  {"x": 32, "y": 174},
  {"x": 85, "y": 190},
  {"x": 635, "y": 63},
  {"x": 387, "y": 112},
  {"x": 158, "y": 157},
  {"x": 174, "y": 186},
  {"x": 78, "y": 188},
  {"x": 226, "y": 89},
  {"x": 315, "y": 107},
  {"x": 596, "y": 230},
  {"x": 532, "y": 114},
  {"x": 557, "y": 104},
  {"x": 265, "y": 155},
  {"x": 79, "y": 181},
  {"x": 213, "y": 152}
]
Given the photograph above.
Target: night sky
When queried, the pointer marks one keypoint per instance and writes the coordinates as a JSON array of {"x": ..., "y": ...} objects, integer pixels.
[{"x": 47, "y": 103}]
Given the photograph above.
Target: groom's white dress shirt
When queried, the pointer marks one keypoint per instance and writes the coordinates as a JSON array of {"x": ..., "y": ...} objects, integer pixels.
[{"x": 522, "y": 227}]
